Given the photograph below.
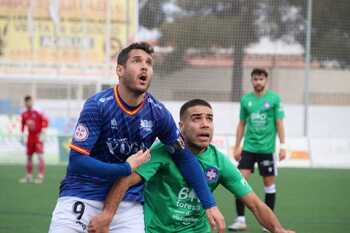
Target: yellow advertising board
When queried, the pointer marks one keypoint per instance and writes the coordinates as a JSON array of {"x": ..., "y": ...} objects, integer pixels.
[{"x": 65, "y": 31}]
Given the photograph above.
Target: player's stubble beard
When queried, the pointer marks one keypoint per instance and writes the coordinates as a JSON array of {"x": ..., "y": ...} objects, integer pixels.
[
  {"x": 131, "y": 85},
  {"x": 259, "y": 89}
]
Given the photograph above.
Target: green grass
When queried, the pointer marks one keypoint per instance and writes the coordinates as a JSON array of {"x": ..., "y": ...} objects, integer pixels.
[{"x": 308, "y": 201}]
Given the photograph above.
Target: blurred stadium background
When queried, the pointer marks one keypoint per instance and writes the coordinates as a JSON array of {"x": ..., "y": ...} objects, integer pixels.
[{"x": 63, "y": 51}]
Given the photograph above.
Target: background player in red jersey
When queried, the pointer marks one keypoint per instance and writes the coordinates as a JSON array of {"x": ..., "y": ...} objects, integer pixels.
[{"x": 35, "y": 123}]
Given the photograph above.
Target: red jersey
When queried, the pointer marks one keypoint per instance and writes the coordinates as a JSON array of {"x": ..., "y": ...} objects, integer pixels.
[{"x": 34, "y": 121}]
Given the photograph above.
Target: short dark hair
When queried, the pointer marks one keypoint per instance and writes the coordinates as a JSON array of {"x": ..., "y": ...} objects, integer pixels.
[
  {"x": 259, "y": 71},
  {"x": 124, "y": 53},
  {"x": 192, "y": 103},
  {"x": 27, "y": 98}
]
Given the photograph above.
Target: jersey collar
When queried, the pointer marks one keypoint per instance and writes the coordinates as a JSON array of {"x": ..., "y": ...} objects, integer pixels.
[{"x": 123, "y": 106}]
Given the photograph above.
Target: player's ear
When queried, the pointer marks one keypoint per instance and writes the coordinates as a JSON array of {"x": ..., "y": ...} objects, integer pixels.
[
  {"x": 181, "y": 124},
  {"x": 119, "y": 70}
]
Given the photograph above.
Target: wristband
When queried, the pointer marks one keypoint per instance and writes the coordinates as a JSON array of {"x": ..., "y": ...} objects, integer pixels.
[{"x": 283, "y": 146}]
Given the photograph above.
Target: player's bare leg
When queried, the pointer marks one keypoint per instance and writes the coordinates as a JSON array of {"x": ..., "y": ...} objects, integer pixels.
[
  {"x": 40, "y": 178},
  {"x": 270, "y": 193}
]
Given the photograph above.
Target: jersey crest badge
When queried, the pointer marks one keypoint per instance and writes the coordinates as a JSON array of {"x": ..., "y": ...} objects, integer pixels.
[
  {"x": 81, "y": 133},
  {"x": 267, "y": 105},
  {"x": 146, "y": 126},
  {"x": 212, "y": 174}
]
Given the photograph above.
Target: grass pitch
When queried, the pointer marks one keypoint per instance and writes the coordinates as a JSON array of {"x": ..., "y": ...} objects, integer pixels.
[{"x": 308, "y": 200}]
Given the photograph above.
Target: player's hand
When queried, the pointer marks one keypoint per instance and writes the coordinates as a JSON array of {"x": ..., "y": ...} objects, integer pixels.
[
  {"x": 237, "y": 153},
  {"x": 100, "y": 223},
  {"x": 138, "y": 158},
  {"x": 216, "y": 219},
  {"x": 282, "y": 154}
]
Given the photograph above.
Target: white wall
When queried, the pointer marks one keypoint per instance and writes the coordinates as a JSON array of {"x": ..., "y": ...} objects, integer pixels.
[{"x": 324, "y": 121}]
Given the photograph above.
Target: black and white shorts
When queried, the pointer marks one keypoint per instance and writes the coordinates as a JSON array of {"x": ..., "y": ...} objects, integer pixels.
[{"x": 266, "y": 162}]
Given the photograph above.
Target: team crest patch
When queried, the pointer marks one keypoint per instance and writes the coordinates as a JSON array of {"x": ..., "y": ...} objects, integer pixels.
[
  {"x": 266, "y": 104},
  {"x": 212, "y": 174},
  {"x": 81, "y": 133}
]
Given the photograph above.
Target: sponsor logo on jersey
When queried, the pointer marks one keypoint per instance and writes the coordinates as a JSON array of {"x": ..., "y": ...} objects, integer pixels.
[
  {"x": 121, "y": 148},
  {"x": 81, "y": 133},
  {"x": 114, "y": 124},
  {"x": 258, "y": 116},
  {"x": 212, "y": 174}
]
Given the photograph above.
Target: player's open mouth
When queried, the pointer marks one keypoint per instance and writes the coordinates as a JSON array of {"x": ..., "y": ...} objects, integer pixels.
[
  {"x": 143, "y": 77},
  {"x": 204, "y": 135}
]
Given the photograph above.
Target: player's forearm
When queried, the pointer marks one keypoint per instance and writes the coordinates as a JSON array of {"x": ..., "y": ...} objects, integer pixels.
[
  {"x": 281, "y": 131},
  {"x": 115, "y": 195},
  {"x": 117, "y": 192},
  {"x": 194, "y": 175},
  {"x": 86, "y": 165},
  {"x": 264, "y": 214},
  {"x": 239, "y": 134}
]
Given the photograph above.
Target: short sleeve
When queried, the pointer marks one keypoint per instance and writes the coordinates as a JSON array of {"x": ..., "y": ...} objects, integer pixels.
[
  {"x": 232, "y": 179},
  {"x": 279, "y": 111},
  {"x": 242, "y": 112},
  {"x": 87, "y": 129}
]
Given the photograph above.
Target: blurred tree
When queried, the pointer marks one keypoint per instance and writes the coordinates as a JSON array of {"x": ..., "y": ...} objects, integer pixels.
[
  {"x": 330, "y": 35},
  {"x": 151, "y": 14},
  {"x": 236, "y": 24},
  {"x": 207, "y": 24}
]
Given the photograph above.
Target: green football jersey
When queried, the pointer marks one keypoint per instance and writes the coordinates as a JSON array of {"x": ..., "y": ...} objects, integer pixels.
[
  {"x": 260, "y": 114},
  {"x": 170, "y": 204}
]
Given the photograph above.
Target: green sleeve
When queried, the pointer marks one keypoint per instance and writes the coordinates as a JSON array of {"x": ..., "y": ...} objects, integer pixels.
[
  {"x": 242, "y": 112},
  {"x": 159, "y": 157},
  {"x": 232, "y": 179},
  {"x": 279, "y": 111}
]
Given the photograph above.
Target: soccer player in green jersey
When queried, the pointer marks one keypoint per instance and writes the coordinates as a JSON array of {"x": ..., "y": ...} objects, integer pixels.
[
  {"x": 170, "y": 204},
  {"x": 261, "y": 117}
]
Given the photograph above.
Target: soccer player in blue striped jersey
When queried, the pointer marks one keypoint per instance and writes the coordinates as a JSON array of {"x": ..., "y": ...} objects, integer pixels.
[{"x": 111, "y": 139}]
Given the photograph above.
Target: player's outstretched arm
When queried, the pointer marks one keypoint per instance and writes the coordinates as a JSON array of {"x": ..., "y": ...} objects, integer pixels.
[
  {"x": 263, "y": 213},
  {"x": 87, "y": 165},
  {"x": 100, "y": 223},
  {"x": 216, "y": 219}
]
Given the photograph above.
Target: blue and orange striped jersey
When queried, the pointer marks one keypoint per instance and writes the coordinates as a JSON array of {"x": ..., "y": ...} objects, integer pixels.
[{"x": 109, "y": 131}]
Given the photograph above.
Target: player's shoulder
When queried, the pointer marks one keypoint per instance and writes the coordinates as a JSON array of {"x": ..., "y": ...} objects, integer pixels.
[
  {"x": 24, "y": 112},
  {"x": 216, "y": 152},
  {"x": 155, "y": 104},
  {"x": 247, "y": 96},
  {"x": 101, "y": 98},
  {"x": 159, "y": 152},
  {"x": 273, "y": 95}
]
